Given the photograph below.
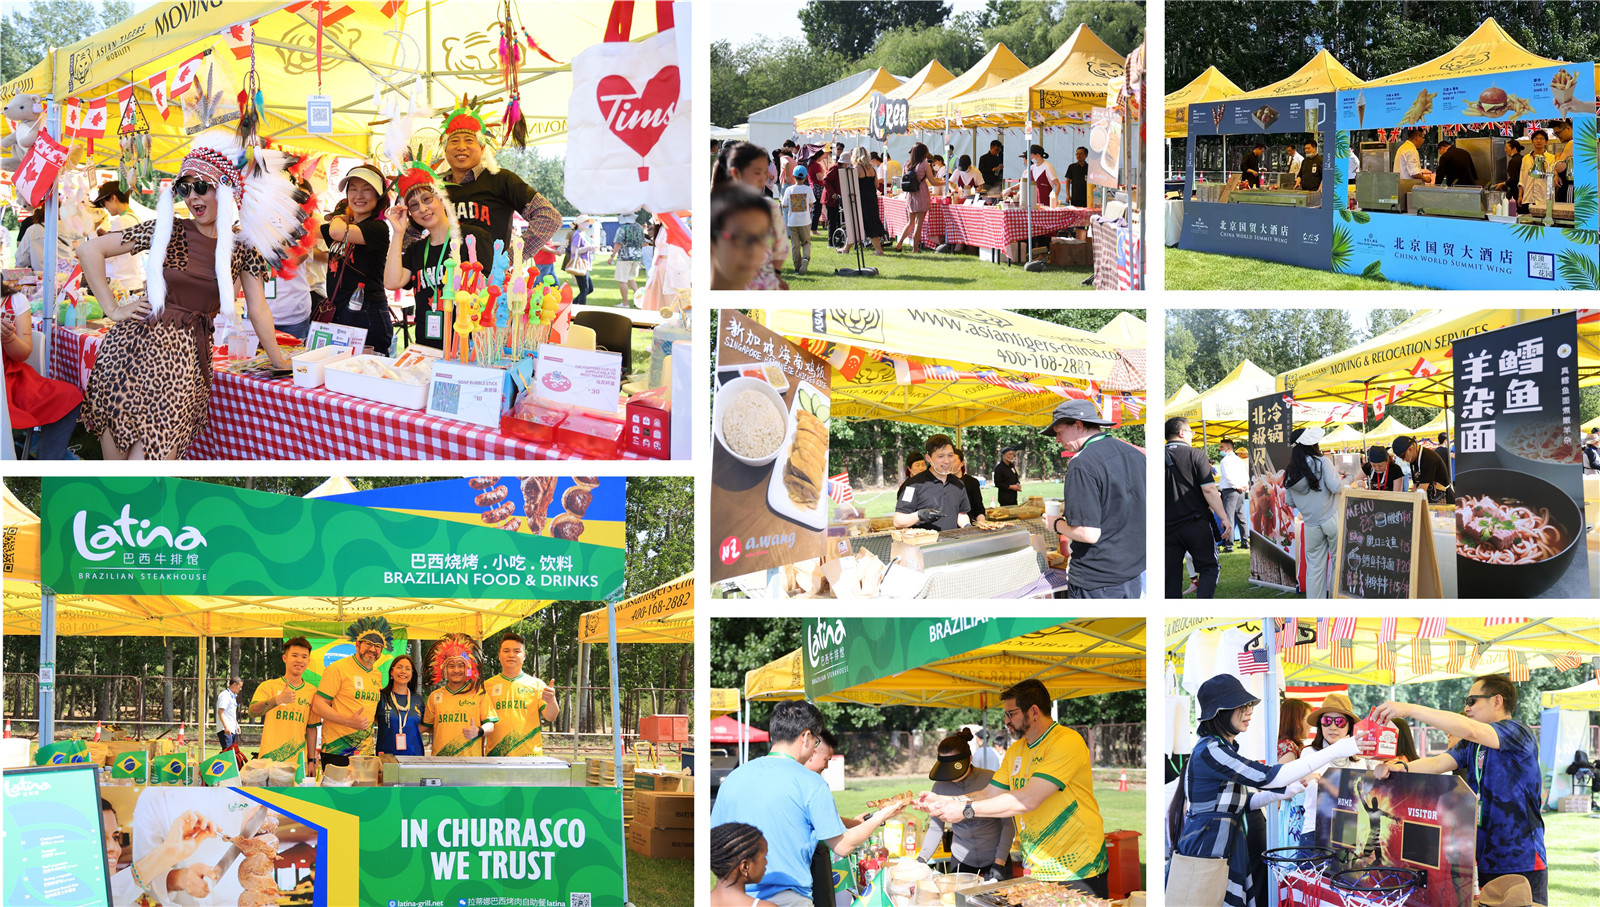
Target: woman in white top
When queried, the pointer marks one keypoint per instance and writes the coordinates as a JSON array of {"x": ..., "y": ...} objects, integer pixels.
[
  {"x": 1534, "y": 166},
  {"x": 1334, "y": 721},
  {"x": 963, "y": 181}
]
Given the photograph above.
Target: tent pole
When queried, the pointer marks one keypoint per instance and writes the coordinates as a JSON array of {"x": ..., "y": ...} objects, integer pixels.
[
  {"x": 1269, "y": 640},
  {"x": 47, "y": 662},
  {"x": 52, "y": 229},
  {"x": 583, "y": 694},
  {"x": 200, "y": 733},
  {"x": 616, "y": 727}
]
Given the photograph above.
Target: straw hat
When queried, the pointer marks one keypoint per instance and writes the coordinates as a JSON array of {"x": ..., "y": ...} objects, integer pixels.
[
  {"x": 1335, "y": 703},
  {"x": 1507, "y": 891}
]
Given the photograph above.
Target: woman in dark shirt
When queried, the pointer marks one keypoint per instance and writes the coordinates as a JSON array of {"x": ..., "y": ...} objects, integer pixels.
[
  {"x": 1513, "y": 182},
  {"x": 1380, "y": 469},
  {"x": 358, "y": 244},
  {"x": 399, "y": 714}
]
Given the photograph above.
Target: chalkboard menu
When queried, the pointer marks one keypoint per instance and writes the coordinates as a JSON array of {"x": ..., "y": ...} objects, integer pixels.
[{"x": 1385, "y": 546}]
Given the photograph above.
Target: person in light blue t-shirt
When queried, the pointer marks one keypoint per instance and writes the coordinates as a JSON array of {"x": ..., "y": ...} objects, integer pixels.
[{"x": 791, "y": 805}]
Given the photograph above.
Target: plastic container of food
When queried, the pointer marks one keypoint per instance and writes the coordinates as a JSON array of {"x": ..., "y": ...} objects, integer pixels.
[
  {"x": 308, "y": 366},
  {"x": 339, "y": 377}
]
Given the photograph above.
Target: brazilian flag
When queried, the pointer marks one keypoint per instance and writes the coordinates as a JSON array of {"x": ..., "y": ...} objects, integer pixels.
[
  {"x": 132, "y": 764},
  {"x": 62, "y": 752},
  {"x": 220, "y": 769},
  {"x": 877, "y": 893},
  {"x": 843, "y": 878},
  {"x": 172, "y": 769}
]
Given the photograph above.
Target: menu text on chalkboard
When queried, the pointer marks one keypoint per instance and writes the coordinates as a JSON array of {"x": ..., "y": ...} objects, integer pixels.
[{"x": 1385, "y": 546}]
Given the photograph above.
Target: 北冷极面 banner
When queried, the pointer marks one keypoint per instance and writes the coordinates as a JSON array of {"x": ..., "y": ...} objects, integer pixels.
[
  {"x": 1518, "y": 470},
  {"x": 1532, "y": 248},
  {"x": 1275, "y": 224},
  {"x": 769, "y": 465},
  {"x": 162, "y": 536},
  {"x": 1275, "y": 548},
  {"x": 843, "y": 652}
]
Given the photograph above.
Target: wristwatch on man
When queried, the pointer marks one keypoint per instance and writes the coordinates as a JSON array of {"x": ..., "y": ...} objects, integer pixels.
[{"x": 966, "y": 811}]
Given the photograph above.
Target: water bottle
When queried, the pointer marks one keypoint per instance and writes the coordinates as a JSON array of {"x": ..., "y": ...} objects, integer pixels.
[{"x": 661, "y": 340}]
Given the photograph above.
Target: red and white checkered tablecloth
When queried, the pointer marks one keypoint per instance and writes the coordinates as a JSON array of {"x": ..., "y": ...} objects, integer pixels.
[
  {"x": 257, "y": 419},
  {"x": 986, "y": 226},
  {"x": 72, "y": 353}
]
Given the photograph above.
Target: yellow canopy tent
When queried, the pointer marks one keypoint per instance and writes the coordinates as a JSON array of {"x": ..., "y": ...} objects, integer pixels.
[
  {"x": 951, "y": 379},
  {"x": 1064, "y": 87},
  {"x": 1126, "y": 329},
  {"x": 1582, "y": 696},
  {"x": 1386, "y": 431},
  {"x": 365, "y": 48},
  {"x": 1538, "y": 642},
  {"x": 1210, "y": 85},
  {"x": 1387, "y": 360},
  {"x": 722, "y": 702},
  {"x": 1341, "y": 437},
  {"x": 1224, "y": 408},
  {"x": 1182, "y": 395},
  {"x": 824, "y": 118},
  {"x": 1486, "y": 51},
  {"x": 930, "y": 78},
  {"x": 1084, "y": 657},
  {"x": 664, "y": 614},
  {"x": 928, "y": 111},
  {"x": 1592, "y": 424},
  {"x": 21, "y": 540},
  {"x": 1322, "y": 73},
  {"x": 1444, "y": 421}
]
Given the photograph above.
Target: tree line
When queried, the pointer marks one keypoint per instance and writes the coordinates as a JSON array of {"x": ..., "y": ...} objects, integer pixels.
[{"x": 847, "y": 36}]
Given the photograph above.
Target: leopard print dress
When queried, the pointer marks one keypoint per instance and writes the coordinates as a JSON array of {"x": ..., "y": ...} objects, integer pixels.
[{"x": 152, "y": 377}]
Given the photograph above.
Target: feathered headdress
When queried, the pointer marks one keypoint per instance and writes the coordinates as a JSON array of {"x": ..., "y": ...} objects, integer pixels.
[
  {"x": 373, "y": 630},
  {"x": 454, "y": 645},
  {"x": 414, "y": 174},
  {"x": 466, "y": 117}
]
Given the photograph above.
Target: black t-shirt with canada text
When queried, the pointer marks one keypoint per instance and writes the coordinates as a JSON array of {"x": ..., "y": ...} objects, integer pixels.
[
  {"x": 484, "y": 207},
  {"x": 427, "y": 266}
]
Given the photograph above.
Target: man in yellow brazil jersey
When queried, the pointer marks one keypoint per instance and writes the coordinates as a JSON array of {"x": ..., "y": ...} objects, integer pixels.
[
  {"x": 522, "y": 703},
  {"x": 347, "y": 696},
  {"x": 1044, "y": 780},
  {"x": 284, "y": 706},
  {"x": 458, "y": 713}
]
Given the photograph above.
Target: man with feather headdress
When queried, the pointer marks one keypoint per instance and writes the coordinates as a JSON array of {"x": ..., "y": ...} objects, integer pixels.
[
  {"x": 347, "y": 696},
  {"x": 459, "y": 712},
  {"x": 484, "y": 196}
]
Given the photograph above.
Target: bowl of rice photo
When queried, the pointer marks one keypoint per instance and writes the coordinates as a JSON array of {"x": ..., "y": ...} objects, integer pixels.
[{"x": 751, "y": 421}]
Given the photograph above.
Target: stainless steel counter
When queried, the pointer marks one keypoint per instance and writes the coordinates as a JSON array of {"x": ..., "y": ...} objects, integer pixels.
[{"x": 475, "y": 771}]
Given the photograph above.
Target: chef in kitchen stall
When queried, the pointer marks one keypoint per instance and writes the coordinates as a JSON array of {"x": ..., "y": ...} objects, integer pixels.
[
  {"x": 1408, "y": 160},
  {"x": 1309, "y": 179},
  {"x": 936, "y": 499},
  {"x": 1534, "y": 166},
  {"x": 1250, "y": 165},
  {"x": 1455, "y": 165}
]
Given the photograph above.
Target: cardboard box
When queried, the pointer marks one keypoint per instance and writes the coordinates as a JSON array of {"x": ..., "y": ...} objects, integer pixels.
[
  {"x": 661, "y": 843},
  {"x": 1070, "y": 253},
  {"x": 656, "y": 779},
  {"x": 664, "y": 728},
  {"x": 662, "y": 809}
]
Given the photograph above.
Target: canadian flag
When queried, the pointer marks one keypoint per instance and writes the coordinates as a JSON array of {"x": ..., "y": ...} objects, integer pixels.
[
  {"x": 1423, "y": 368},
  {"x": 74, "y": 115},
  {"x": 158, "y": 90},
  {"x": 94, "y": 120},
  {"x": 38, "y": 170},
  {"x": 185, "y": 75},
  {"x": 239, "y": 41}
]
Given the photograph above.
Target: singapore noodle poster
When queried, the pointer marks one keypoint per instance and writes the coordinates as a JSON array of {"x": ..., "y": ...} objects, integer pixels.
[{"x": 1423, "y": 822}]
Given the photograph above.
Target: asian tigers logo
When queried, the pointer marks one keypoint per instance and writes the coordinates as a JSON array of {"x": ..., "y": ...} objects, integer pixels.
[{"x": 865, "y": 323}]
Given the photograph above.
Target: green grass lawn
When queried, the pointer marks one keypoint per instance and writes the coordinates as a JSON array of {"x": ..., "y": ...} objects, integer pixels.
[
  {"x": 1206, "y": 271},
  {"x": 1235, "y": 579},
  {"x": 1573, "y": 854},
  {"x": 1121, "y": 811},
  {"x": 924, "y": 270},
  {"x": 660, "y": 883},
  {"x": 881, "y": 503}
]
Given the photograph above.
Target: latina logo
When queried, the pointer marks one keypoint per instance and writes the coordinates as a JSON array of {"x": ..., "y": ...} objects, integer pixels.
[
  {"x": 25, "y": 787},
  {"x": 821, "y": 636},
  {"x": 130, "y": 531}
]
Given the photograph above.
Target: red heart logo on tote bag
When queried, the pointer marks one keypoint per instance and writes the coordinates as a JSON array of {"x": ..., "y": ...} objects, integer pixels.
[{"x": 638, "y": 117}]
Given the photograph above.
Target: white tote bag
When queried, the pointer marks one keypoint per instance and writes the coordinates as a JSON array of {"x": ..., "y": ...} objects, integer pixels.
[{"x": 628, "y": 121}]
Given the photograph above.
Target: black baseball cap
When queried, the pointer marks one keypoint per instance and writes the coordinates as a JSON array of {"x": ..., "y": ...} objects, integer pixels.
[{"x": 1076, "y": 410}]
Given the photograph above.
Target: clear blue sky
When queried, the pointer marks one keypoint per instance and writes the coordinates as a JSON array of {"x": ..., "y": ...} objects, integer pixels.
[{"x": 741, "y": 23}]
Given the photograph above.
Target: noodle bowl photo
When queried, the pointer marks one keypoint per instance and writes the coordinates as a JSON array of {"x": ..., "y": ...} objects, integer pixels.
[{"x": 1515, "y": 534}]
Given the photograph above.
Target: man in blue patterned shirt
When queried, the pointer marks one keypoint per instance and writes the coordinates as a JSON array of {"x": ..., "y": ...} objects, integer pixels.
[{"x": 1501, "y": 758}]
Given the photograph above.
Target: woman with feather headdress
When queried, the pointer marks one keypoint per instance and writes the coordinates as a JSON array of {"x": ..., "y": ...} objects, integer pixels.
[
  {"x": 459, "y": 712},
  {"x": 148, "y": 393},
  {"x": 422, "y": 205}
]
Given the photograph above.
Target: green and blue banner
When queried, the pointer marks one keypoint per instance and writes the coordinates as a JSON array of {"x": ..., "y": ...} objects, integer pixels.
[
  {"x": 843, "y": 652},
  {"x": 163, "y": 536}
]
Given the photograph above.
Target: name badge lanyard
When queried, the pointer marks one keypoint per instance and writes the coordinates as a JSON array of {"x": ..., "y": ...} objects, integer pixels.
[{"x": 402, "y": 716}]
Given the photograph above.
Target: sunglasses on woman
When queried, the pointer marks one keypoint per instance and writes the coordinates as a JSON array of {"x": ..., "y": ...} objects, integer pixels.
[
  {"x": 420, "y": 201},
  {"x": 1334, "y": 721},
  {"x": 187, "y": 186}
]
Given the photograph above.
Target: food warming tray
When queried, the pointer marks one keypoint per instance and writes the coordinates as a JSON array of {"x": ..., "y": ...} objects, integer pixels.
[
  {"x": 957, "y": 545},
  {"x": 1271, "y": 197},
  {"x": 1448, "y": 201},
  {"x": 987, "y": 895},
  {"x": 479, "y": 771}
]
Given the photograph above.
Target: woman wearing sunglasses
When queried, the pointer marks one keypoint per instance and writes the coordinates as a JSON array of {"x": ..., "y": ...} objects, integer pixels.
[
  {"x": 148, "y": 393},
  {"x": 422, "y": 209},
  {"x": 1334, "y": 721},
  {"x": 1218, "y": 787}
]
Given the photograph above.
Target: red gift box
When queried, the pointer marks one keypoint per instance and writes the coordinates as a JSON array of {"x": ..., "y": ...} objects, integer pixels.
[
  {"x": 1377, "y": 740},
  {"x": 647, "y": 429},
  {"x": 590, "y": 435}
]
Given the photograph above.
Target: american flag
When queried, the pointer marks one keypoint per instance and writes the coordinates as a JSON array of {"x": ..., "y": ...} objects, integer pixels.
[
  {"x": 1458, "y": 651},
  {"x": 1421, "y": 657},
  {"x": 1342, "y": 652},
  {"x": 1503, "y": 621},
  {"x": 1519, "y": 666},
  {"x": 1253, "y": 661},
  {"x": 1478, "y": 652},
  {"x": 839, "y": 489},
  {"x": 1385, "y": 654},
  {"x": 1568, "y": 661},
  {"x": 1322, "y": 633},
  {"x": 1344, "y": 628},
  {"x": 1386, "y": 630},
  {"x": 1298, "y": 654},
  {"x": 1431, "y": 628}
]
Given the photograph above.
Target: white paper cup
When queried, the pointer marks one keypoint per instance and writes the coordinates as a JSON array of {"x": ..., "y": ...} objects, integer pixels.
[{"x": 1052, "y": 510}]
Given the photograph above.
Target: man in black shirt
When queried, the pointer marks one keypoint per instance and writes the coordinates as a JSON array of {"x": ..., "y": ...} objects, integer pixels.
[
  {"x": 1103, "y": 514},
  {"x": 1455, "y": 166},
  {"x": 1310, "y": 178},
  {"x": 937, "y": 498},
  {"x": 1250, "y": 167},
  {"x": 1427, "y": 468},
  {"x": 989, "y": 167},
  {"x": 1006, "y": 481},
  {"x": 1078, "y": 179},
  {"x": 1192, "y": 497},
  {"x": 485, "y": 197},
  {"x": 974, "y": 487}
]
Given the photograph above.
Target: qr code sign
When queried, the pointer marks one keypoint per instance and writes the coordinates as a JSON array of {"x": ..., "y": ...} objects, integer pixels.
[
  {"x": 1541, "y": 265},
  {"x": 582, "y": 900}
]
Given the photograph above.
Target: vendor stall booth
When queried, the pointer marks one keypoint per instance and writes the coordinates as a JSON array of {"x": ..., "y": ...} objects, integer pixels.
[
  {"x": 1464, "y": 235},
  {"x": 168, "y": 557}
]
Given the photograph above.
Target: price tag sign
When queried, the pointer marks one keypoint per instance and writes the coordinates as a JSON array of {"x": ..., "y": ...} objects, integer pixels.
[{"x": 319, "y": 114}]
